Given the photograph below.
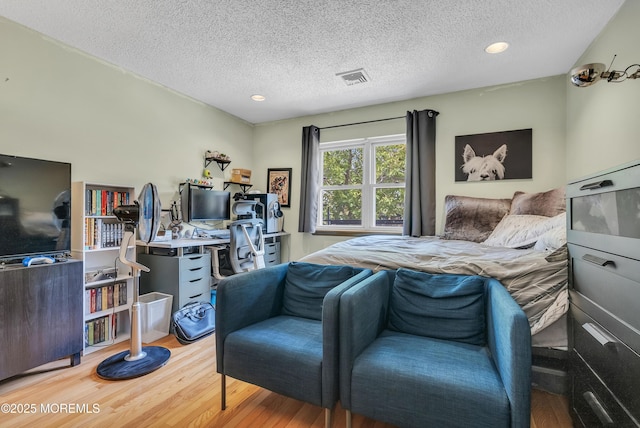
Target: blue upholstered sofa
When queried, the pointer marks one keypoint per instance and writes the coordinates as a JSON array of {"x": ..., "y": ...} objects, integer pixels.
[
  {"x": 278, "y": 328},
  {"x": 423, "y": 350}
]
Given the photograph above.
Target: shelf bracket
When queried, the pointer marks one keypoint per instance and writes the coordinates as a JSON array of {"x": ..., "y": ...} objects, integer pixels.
[
  {"x": 243, "y": 186},
  {"x": 222, "y": 164}
]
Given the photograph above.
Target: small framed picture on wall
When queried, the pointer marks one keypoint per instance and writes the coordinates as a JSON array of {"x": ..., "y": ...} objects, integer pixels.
[{"x": 279, "y": 182}]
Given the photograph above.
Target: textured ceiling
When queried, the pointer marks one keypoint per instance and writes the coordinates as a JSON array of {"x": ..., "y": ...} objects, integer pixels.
[{"x": 222, "y": 51}]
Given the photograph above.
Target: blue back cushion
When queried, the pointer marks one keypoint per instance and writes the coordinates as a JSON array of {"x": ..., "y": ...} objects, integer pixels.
[
  {"x": 306, "y": 285},
  {"x": 442, "y": 306}
]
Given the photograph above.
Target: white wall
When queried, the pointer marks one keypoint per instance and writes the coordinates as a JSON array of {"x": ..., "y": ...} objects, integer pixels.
[
  {"x": 114, "y": 127},
  {"x": 603, "y": 120},
  {"x": 537, "y": 104}
]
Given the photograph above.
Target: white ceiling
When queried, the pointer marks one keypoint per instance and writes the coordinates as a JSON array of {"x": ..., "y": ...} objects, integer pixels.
[{"x": 222, "y": 51}]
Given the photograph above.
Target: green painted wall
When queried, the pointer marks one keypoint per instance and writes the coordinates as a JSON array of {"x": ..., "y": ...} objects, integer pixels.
[
  {"x": 115, "y": 127},
  {"x": 603, "y": 126}
]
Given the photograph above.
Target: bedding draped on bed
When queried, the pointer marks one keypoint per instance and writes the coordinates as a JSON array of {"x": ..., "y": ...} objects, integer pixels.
[{"x": 537, "y": 280}]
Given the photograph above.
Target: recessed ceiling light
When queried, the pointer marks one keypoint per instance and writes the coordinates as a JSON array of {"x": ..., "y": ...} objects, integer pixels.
[
  {"x": 497, "y": 47},
  {"x": 258, "y": 97}
]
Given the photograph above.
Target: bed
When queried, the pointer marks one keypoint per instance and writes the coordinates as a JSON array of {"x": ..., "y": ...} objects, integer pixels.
[{"x": 519, "y": 241}]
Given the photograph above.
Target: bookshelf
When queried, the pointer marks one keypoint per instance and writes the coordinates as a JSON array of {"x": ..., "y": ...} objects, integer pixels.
[{"x": 108, "y": 284}]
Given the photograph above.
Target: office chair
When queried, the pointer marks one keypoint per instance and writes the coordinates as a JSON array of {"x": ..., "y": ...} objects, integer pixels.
[{"x": 246, "y": 250}]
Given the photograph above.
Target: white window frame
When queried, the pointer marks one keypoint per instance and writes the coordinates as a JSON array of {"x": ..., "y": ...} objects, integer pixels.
[{"x": 368, "y": 186}]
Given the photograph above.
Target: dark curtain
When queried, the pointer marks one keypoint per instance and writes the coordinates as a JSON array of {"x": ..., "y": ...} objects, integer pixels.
[
  {"x": 420, "y": 198},
  {"x": 309, "y": 182}
]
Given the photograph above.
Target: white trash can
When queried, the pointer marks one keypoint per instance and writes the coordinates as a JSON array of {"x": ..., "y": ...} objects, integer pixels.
[{"x": 155, "y": 314}]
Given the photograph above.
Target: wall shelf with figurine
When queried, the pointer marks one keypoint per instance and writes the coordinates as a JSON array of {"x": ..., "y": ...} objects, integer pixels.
[
  {"x": 203, "y": 184},
  {"x": 220, "y": 158}
]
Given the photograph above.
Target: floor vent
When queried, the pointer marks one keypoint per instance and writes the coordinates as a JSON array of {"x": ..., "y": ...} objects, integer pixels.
[{"x": 354, "y": 77}]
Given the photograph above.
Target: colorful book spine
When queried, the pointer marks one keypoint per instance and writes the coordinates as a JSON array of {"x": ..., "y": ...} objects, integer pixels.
[
  {"x": 101, "y": 202},
  {"x": 106, "y": 297},
  {"x": 98, "y": 299},
  {"x": 104, "y": 291},
  {"x": 90, "y": 337},
  {"x": 110, "y": 296},
  {"x": 93, "y": 300},
  {"x": 116, "y": 294}
]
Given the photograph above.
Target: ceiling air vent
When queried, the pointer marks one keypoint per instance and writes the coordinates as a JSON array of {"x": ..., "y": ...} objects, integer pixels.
[{"x": 354, "y": 77}]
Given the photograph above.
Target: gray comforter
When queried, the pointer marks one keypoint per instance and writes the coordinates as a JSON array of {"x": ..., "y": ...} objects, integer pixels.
[{"x": 537, "y": 280}]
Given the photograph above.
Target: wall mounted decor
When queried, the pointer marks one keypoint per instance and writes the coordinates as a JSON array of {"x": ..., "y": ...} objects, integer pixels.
[
  {"x": 588, "y": 74},
  {"x": 279, "y": 182},
  {"x": 494, "y": 156}
]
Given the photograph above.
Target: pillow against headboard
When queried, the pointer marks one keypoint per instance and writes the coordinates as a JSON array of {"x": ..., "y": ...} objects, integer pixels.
[
  {"x": 472, "y": 219},
  {"x": 549, "y": 204}
]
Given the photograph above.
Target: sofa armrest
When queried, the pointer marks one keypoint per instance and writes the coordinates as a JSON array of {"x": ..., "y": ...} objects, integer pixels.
[
  {"x": 509, "y": 339},
  {"x": 245, "y": 299},
  {"x": 363, "y": 315},
  {"x": 330, "y": 335}
]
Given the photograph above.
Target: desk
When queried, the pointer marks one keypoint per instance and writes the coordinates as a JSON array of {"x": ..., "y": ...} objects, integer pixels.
[
  {"x": 186, "y": 273},
  {"x": 198, "y": 244}
]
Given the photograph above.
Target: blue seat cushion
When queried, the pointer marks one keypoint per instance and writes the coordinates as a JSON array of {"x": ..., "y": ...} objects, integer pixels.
[
  {"x": 282, "y": 354},
  {"x": 431, "y": 383},
  {"x": 306, "y": 285},
  {"x": 441, "y": 306}
]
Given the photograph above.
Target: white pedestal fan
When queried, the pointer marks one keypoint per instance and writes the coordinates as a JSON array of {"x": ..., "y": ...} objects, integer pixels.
[{"x": 138, "y": 360}]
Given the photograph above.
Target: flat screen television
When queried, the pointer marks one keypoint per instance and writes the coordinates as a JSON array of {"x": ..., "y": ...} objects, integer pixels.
[
  {"x": 35, "y": 207},
  {"x": 201, "y": 204}
]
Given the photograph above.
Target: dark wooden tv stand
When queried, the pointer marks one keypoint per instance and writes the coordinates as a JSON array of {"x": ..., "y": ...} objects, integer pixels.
[{"x": 40, "y": 315}]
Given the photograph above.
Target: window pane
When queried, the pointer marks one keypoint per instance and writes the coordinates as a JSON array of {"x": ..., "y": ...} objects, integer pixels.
[
  {"x": 390, "y": 163},
  {"x": 342, "y": 167},
  {"x": 389, "y": 207},
  {"x": 342, "y": 207}
]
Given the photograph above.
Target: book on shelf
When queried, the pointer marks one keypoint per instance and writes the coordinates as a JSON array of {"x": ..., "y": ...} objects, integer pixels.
[
  {"x": 106, "y": 297},
  {"x": 104, "y": 293},
  {"x": 98, "y": 330},
  {"x": 110, "y": 297},
  {"x": 122, "y": 293},
  {"x": 102, "y": 234},
  {"x": 116, "y": 296},
  {"x": 101, "y": 202},
  {"x": 99, "y": 299}
]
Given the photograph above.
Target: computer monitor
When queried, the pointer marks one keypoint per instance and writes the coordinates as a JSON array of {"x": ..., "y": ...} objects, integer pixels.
[{"x": 203, "y": 204}]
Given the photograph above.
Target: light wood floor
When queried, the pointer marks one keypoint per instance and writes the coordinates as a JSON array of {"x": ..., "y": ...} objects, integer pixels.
[{"x": 184, "y": 393}]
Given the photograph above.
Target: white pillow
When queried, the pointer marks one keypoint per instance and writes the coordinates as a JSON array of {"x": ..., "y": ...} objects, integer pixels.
[
  {"x": 553, "y": 239},
  {"x": 522, "y": 231}
]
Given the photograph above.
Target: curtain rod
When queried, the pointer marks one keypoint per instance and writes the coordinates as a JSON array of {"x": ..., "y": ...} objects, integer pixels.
[{"x": 360, "y": 123}]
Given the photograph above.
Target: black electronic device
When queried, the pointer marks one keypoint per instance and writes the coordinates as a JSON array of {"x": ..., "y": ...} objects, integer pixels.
[
  {"x": 35, "y": 207},
  {"x": 204, "y": 204}
]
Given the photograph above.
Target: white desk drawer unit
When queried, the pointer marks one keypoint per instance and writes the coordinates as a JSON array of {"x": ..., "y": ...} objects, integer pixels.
[
  {"x": 603, "y": 233},
  {"x": 186, "y": 277},
  {"x": 272, "y": 253}
]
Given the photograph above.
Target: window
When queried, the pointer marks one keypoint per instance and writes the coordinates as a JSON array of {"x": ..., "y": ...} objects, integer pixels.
[{"x": 362, "y": 185}]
